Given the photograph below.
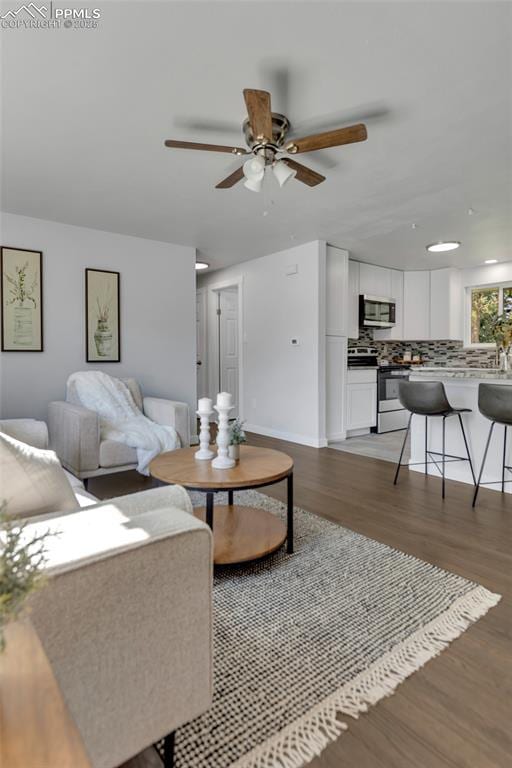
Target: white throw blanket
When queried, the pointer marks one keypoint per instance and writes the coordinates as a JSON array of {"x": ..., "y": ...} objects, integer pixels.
[{"x": 120, "y": 418}]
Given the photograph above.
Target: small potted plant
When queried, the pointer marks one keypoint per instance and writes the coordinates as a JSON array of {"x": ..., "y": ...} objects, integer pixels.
[
  {"x": 502, "y": 333},
  {"x": 236, "y": 438},
  {"x": 21, "y": 569}
]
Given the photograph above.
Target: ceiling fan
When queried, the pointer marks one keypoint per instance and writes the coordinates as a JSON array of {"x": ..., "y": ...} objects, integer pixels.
[{"x": 266, "y": 135}]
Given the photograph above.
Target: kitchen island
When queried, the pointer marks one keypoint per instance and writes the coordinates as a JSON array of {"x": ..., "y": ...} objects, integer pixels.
[{"x": 461, "y": 386}]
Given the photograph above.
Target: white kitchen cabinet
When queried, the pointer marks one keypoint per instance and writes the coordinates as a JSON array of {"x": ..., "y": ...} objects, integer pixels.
[
  {"x": 361, "y": 401},
  {"x": 353, "y": 299},
  {"x": 336, "y": 379},
  {"x": 374, "y": 281},
  {"x": 446, "y": 304},
  {"x": 396, "y": 333},
  {"x": 336, "y": 274},
  {"x": 416, "y": 309}
]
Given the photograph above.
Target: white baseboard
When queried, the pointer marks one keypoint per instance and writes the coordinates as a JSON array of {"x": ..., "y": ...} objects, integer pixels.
[
  {"x": 337, "y": 437},
  {"x": 291, "y": 437},
  {"x": 358, "y": 432}
]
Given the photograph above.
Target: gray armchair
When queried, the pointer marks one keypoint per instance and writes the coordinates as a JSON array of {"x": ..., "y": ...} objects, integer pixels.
[{"x": 75, "y": 432}]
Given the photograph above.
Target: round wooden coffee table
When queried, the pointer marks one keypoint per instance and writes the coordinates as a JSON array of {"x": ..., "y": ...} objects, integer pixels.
[{"x": 240, "y": 533}]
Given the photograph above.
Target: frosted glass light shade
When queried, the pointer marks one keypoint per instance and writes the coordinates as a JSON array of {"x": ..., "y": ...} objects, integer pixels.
[
  {"x": 254, "y": 167},
  {"x": 254, "y": 184},
  {"x": 283, "y": 173}
]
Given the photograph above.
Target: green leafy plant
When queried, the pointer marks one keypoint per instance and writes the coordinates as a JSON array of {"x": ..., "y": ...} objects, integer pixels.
[
  {"x": 21, "y": 568},
  {"x": 19, "y": 289},
  {"x": 236, "y": 432},
  {"x": 502, "y": 333}
]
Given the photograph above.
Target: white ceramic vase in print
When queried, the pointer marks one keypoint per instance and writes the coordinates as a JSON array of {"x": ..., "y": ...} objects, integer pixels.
[
  {"x": 222, "y": 460},
  {"x": 204, "y": 453}
]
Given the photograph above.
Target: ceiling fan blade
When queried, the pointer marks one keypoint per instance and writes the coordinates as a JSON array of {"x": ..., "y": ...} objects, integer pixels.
[
  {"x": 232, "y": 179},
  {"x": 260, "y": 115},
  {"x": 205, "y": 147},
  {"x": 306, "y": 175},
  {"x": 328, "y": 139}
]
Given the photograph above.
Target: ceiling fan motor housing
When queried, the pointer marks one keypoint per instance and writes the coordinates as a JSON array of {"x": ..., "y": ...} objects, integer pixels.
[{"x": 268, "y": 149}]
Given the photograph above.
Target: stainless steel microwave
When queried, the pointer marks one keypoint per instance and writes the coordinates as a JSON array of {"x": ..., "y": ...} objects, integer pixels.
[{"x": 376, "y": 312}]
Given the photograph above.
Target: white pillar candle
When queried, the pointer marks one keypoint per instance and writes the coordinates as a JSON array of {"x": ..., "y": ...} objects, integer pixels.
[
  {"x": 224, "y": 400},
  {"x": 204, "y": 405}
]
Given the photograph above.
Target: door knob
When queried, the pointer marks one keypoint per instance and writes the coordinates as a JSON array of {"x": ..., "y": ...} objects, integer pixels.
[{"x": 199, "y": 362}]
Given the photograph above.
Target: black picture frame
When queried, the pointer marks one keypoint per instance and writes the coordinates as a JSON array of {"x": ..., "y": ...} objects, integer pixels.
[
  {"x": 98, "y": 346},
  {"x": 5, "y": 345}
]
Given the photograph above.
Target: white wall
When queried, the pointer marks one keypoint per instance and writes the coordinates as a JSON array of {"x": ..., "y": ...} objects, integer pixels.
[
  {"x": 157, "y": 314},
  {"x": 487, "y": 273},
  {"x": 283, "y": 388}
]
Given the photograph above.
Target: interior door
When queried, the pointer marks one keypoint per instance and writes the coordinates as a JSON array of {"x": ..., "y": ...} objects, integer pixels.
[
  {"x": 202, "y": 389},
  {"x": 228, "y": 344}
]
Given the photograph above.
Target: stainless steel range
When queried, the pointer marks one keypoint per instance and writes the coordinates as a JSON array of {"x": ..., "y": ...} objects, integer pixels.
[{"x": 390, "y": 413}]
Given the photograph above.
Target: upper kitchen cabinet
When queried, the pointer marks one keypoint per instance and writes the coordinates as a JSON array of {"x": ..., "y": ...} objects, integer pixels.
[
  {"x": 337, "y": 293},
  {"x": 397, "y": 293},
  {"x": 446, "y": 304},
  {"x": 416, "y": 309},
  {"x": 374, "y": 281}
]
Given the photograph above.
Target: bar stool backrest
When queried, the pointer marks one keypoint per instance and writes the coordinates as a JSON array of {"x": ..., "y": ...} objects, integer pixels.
[
  {"x": 495, "y": 402},
  {"x": 427, "y": 398}
]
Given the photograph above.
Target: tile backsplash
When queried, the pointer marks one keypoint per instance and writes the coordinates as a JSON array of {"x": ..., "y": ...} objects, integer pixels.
[{"x": 447, "y": 353}]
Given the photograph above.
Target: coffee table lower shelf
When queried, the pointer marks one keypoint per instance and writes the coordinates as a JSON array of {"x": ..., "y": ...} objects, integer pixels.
[{"x": 242, "y": 533}]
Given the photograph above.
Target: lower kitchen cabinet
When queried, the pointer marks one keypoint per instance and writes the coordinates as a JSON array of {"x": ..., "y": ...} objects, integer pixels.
[{"x": 361, "y": 401}]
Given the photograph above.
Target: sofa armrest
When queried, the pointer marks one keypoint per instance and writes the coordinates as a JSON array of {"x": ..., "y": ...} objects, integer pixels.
[
  {"x": 74, "y": 436},
  {"x": 169, "y": 413},
  {"x": 125, "y": 619},
  {"x": 29, "y": 431}
]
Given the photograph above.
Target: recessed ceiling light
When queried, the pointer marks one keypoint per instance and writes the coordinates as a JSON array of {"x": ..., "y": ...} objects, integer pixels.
[
  {"x": 201, "y": 265},
  {"x": 447, "y": 245},
  {"x": 491, "y": 261}
]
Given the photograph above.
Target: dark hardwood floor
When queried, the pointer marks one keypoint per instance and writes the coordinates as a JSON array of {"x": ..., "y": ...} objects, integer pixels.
[{"x": 457, "y": 710}]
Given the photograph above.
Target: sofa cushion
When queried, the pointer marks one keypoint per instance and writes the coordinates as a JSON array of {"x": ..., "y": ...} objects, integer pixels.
[
  {"x": 32, "y": 480},
  {"x": 134, "y": 388},
  {"x": 115, "y": 454},
  {"x": 132, "y": 384}
]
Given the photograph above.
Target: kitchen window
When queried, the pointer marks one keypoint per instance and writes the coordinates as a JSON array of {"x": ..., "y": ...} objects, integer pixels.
[{"x": 486, "y": 303}]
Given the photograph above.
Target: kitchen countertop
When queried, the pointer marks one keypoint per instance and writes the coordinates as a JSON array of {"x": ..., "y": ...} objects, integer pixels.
[{"x": 462, "y": 373}]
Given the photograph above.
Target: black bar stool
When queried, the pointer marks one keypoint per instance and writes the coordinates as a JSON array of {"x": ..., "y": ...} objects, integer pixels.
[
  {"x": 495, "y": 403},
  {"x": 428, "y": 398}
]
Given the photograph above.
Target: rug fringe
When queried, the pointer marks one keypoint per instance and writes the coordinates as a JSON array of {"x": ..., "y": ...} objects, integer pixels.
[{"x": 302, "y": 741}]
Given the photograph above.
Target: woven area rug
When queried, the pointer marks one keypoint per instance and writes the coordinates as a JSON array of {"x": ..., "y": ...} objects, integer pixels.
[{"x": 302, "y": 640}]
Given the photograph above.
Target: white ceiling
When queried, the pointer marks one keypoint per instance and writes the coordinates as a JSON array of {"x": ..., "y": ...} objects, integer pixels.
[{"x": 85, "y": 114}]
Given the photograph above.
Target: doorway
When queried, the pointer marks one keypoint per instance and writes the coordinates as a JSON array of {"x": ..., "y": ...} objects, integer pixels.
[
  {"x": 201, "y": 357},
  {"x": 227, "y": 360}
]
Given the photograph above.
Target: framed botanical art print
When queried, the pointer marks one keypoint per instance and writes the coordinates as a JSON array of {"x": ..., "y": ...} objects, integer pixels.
[
  {"x": 102, "y": 319},
  {"x": 21, "y": 292}
]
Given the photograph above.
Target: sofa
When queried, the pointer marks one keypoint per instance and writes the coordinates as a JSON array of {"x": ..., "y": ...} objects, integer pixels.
[
  {"x": 75, "y": 432},
  {"x": 125, "y": 615}
]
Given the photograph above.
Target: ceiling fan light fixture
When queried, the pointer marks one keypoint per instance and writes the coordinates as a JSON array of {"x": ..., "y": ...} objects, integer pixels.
[
  {"x": 443, "y": 245},
  {"x": 254, "y": 168},
  {"x": 255, "y": 183},
  {"x": 283, "y": 172}
]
